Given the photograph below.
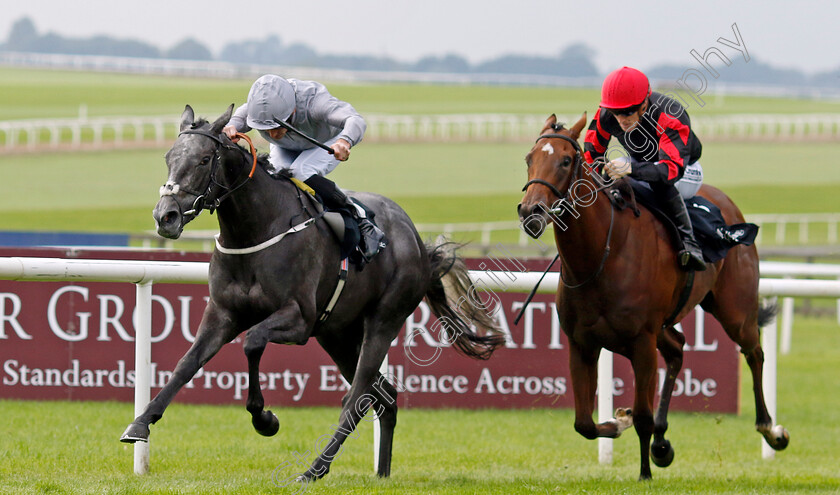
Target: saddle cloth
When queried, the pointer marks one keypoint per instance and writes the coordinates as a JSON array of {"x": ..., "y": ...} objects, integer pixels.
[{"x": 715, "y": 237}]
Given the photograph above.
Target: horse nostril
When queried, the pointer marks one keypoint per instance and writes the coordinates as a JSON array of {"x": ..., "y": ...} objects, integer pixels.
[
  {"x": 170, "y": 217},
  {"x": 525, "y": 211}
]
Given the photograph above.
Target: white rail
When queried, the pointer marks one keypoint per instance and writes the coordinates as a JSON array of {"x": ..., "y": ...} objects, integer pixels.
[
  {"x": 35, "y": 135},
  {"x": 780, "y": 229},
  {"x": 790, "y": 270},
  {"x": 145, "y": 273}
]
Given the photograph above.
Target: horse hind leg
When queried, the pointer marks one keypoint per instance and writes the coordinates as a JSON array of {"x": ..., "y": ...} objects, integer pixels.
[
  {"x": 367, "y": 390},
  {"x": 743, "y": 329},
  {"x": 776, "y": 436},
  {"x": 346, "y": 357},
  {"x": 670, "y": 344},
  {"x": 386, "y": 412}
]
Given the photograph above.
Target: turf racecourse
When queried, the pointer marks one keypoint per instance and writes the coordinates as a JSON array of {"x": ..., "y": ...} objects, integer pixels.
[
  {"x": 56, "y": 447},
  {"x": 72, "y": 447},
  {"x": 114, "y": 191}
]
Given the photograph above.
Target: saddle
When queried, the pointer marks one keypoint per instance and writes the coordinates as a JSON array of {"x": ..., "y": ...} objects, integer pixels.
[
  {"x": 342, "y": 224},
  {"x": 710, "y": 230}
]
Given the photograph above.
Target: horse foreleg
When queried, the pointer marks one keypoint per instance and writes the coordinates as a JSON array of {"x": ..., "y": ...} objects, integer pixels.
[
  {"x": 211, "y": 336},
  {"x": 283, "y": 327},
  {"x": 643, "y": 360},
  {"x": 776, "y": 436},
  {"x": 584, "y": 375},
  {"x": 670, "y": 344}
]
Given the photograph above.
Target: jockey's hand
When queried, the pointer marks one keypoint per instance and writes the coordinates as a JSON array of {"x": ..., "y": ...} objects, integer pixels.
[
  {"x": 341, "y": 150},
  {"x": 617, "y": 169},
  {"x": 230, "y": 131}
]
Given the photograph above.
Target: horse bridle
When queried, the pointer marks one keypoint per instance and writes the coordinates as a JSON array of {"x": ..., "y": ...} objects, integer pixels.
[
  {"x": 578, "y": 162},
  {"x": 564, "y": 198},
  {"x": 202, "y": 199}
]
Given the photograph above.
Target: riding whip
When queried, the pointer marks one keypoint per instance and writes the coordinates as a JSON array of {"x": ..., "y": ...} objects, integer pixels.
[
  {"x": 534, "y": 291},
  {"x": 304, "y": 136}
]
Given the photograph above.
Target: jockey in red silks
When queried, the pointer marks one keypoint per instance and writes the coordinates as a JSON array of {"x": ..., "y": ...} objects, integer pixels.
[{"x": 660, "y": 149}]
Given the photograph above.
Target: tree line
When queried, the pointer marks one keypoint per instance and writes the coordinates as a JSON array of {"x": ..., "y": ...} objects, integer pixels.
[{"x": 575, "y": 61}]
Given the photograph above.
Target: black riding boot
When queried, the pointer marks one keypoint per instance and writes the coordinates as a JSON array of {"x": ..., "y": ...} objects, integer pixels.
[
  {"x": 691, "y": 256},
  {"x": 373, "y": 239}
]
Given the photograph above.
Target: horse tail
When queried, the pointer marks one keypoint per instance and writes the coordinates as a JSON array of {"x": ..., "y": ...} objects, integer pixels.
[
  {"x": 766, "y": 314},
  {"x": 462, "y": 313}
]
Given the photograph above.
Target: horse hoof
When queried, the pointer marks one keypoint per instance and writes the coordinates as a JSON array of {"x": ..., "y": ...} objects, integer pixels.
[
  {"x": 623, "y": 412},
  {"x": 623, "y": 419},
  {"x": 135, "y": 433},
  {"x": 662, "y": 454},
  {"x": 780, "y": 437},
  {"x": 308, "y": 477},
  {"x": 266, "y": 424}
]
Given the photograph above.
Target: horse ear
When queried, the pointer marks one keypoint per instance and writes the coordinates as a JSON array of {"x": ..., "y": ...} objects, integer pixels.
[
  {"x": 187, "y": 118},
  {"x": 575, "y": 130},
  {"x": 550, "y": 121},
  {"x": 222, "y": 121}
]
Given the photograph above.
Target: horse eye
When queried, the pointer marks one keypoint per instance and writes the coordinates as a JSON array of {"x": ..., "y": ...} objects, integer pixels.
[
  {"x": 567, "y": 161},
  {"x": 205, "y": 160}
]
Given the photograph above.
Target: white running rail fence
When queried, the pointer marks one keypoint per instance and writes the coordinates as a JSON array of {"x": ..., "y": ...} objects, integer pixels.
[
  {"x": 101, "y": 132},
  {"x": 145, "y": 274}
]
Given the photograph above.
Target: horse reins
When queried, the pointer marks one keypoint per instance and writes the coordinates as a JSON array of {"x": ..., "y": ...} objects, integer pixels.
[{"x": 563, "y": 198}]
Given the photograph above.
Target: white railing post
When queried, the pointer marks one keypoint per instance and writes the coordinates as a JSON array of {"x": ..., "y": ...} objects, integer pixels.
[
  {"x": 142, "y": 367},
  {"x": 787, "y": 323},
  {"x": 838, "y": 307},
  {"x": 605, "y": 403},
  {"x": 377, "y": 428}
]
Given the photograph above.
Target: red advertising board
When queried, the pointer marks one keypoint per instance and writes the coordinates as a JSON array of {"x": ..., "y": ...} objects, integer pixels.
[{"x": 61, "y": 340}]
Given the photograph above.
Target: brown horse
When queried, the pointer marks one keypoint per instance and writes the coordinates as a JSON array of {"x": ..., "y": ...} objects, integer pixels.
[{"x": 620, "y": 286}]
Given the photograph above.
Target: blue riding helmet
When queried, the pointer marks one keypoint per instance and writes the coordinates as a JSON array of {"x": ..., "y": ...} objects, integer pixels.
[{"x": 271, "y": 102}]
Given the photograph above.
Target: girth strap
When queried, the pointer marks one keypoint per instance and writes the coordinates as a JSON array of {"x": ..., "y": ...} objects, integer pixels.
[
  {"x": 686, "y": 292},
  {"x": 342, "y": 280}
]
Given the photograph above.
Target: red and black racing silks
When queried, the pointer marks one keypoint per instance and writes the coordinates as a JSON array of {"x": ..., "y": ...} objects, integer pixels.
[{"x": 662, "y": 144}]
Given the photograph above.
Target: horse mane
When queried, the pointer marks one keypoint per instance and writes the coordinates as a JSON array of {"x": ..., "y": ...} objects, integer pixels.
[
  {"x": 200, "y": 122},
  {"x": 282, "y": 174},
  {"x": 262, "y": 159}
]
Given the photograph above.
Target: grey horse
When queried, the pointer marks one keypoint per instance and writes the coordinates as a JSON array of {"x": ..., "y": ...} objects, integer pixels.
[{"x": 275, "y": 271}]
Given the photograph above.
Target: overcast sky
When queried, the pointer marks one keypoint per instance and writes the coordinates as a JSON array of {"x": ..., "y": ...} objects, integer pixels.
[{"x": 804, "y": 35}]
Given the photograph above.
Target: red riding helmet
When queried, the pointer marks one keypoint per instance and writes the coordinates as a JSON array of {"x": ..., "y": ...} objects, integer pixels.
[{"x": 623, "y": 88}]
